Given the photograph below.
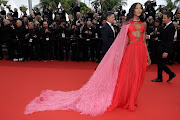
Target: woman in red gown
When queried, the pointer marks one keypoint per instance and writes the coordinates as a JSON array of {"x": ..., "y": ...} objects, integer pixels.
[
  {"x": 133, "y": 67},
  {"x": 116, "y": 81}
]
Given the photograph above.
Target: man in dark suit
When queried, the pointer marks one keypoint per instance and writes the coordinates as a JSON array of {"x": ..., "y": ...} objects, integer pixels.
[
  {"x": 165, "y": 47},
  {"x": 108, "y": 33}
]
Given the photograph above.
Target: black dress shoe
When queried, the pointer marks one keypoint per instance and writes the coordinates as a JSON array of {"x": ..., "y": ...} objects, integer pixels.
[
  {"x": 157, "y": 80},
  {"x": 171, "y": 76}
]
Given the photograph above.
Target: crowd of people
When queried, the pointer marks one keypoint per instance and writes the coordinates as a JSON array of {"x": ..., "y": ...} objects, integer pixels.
[{"x": 39, "y": 36}]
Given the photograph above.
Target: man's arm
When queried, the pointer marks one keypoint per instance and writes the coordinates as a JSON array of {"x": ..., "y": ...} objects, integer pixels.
[{"x": 104, "y": 33}]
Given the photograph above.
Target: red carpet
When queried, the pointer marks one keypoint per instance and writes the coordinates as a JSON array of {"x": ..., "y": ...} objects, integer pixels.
[{"x": 21, "y": 82}]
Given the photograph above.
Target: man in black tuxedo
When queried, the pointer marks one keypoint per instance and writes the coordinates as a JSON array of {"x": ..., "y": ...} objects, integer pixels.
[
  {"x": 165, "y": 47},
  {"x": 108, "y": 33},
  {"x": 20, "y": 32}
]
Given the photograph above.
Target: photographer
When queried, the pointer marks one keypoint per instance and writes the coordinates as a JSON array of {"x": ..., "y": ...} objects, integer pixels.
[
  {"x": 15, "y": 13},
  {"x": 99, "y": 12},
  {"x": 116, "y": 27},
  {"x": 150, "y": 24},
  {"x": 38, "y": 18},
  {"x": 46, "y": 42},
  {"x": 121, "y": 12},
  {"x": 62, "y": 13},
  {"x": 25, "y": 22},
  {"x": 172, "y": 57},
  {"x": 75, "y": 9},
  {"x": 70, "y": 22},
  {"x": 47, "y": 12},
  {"x": 24, "y": 14},
  {"x": 89, "y": 16},
  {"x": 31, "y": 43},
  {"x": 31, "y": 17},
  {"x": 97, "y": 41},
  {"x": 149, "y": 8},
  {"x": 177, "y": 16},
  {"x": 20, "y": 32},
  {"x": 97, "y": 18},
  {"x": 46, "y": 19},
  {"x": 3, "y": 12},
  {"x": 1, "y": 53},
  {"x": 160, "y": 17},
  {"x": 76, "y": 41},
  {"x": 53, "y": 28},
  {"x": 36, "y": 11},
  {"x": 57, "y": 19},
  {"x": 63, "y": 43},
  {"x": 7, "y": 38},
  {"x": 78, "y": 18},
  {"x": 88, "y": 32},
  {"x": 10, "y": 18}
]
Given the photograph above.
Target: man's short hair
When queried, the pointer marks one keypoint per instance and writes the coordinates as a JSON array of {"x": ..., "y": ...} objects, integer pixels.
[
  {"x": 109, "y": 14},
  {"x": 31, "y": 23},
  {"x": 169, "y": 14},
  {"x": 157, "y": 20}
]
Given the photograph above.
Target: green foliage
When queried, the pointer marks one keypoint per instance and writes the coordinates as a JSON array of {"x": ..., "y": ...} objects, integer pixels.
[
  {"x": 171, "y": 4},
  {"x": 105, "y": 4},
  {"x": 49, "y": 3},
  {"x": 23, "y": 8},
  {"x": 65, "y": 3},
  {"x": 4, "y": 2}
]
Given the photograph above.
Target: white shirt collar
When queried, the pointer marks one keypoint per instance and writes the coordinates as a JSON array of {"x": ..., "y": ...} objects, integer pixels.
[
  {"x": 109, "y": 23},
  {"x": 168, "y": 23}
]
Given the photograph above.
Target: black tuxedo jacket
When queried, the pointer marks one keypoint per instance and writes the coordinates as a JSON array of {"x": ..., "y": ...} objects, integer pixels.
[
  {"x": 107, "y": 37},
  {"x": 167, "y": 37}
]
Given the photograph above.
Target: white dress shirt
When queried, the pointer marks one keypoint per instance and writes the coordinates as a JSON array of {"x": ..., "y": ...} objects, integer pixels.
[
  {"x": 168, "y": 24},
  {"x": 111, "y": 27}
]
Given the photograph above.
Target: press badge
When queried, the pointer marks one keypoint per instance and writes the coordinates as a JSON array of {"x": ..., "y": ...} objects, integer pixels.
[
  {"x": 47, "y": 39},
  {"x": 30, "y": 40},
  {"x": 87, "y": 39},
  {"x": 63, "y": 35}
]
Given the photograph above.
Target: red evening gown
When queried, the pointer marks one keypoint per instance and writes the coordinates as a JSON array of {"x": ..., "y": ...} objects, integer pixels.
[
  {"x": 132, "y": 70},
  {"x": 119, "y": 74}
]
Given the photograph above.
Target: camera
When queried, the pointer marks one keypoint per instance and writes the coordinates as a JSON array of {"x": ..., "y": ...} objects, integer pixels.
[
  {"x": 72, "y": 5},
  {"x": 150, "y": 5},
  {"x": 8, "y": 6},
  {"x": 81, "y": 24},
  {"x": 20, "y": 8}
]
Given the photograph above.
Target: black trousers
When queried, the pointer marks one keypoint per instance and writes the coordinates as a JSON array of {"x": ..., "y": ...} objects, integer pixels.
[
  {"x": 10, "y": 48},
  {"x": 95, "y": 47},
  {"x": 1, "y": 53},
  {"x": 161, "y": 64},
  {"x": 178, "y": 51},
  {"x": 153, "y": 45},
  {"x": 63, "y": 44},
  {"x": 47, "y": 50}
]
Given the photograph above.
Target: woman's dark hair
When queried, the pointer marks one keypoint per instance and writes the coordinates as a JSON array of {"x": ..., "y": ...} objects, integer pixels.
[{"x": 130, "y": 15}]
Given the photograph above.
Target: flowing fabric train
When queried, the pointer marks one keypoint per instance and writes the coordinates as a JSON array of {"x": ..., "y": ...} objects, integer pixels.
[{"x": 96, "y": 95}]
